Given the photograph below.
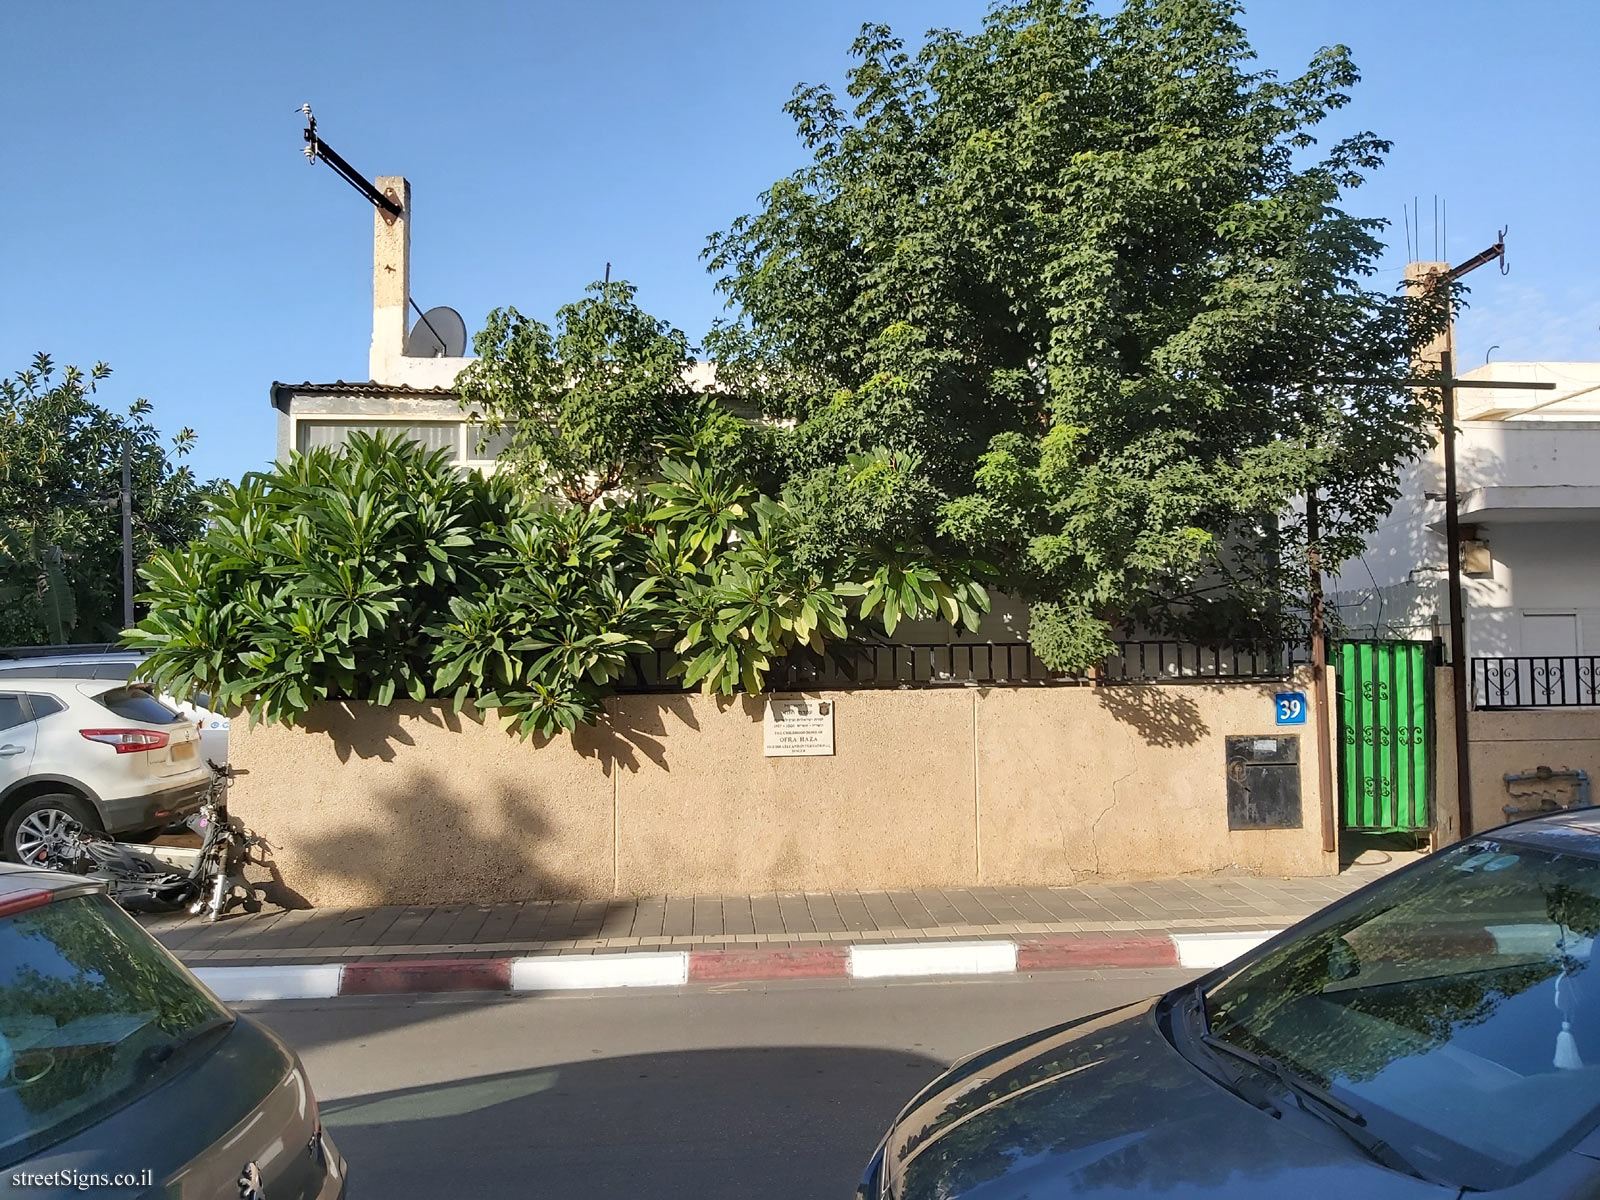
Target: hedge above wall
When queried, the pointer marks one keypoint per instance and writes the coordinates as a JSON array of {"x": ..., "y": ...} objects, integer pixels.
[{"x": 380, "y": 571}]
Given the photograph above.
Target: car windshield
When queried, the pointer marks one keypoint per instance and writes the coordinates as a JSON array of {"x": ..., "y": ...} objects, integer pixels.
[
  {"x": 1452, "y": 1006},
  {"x": 92, "y": 1015}
]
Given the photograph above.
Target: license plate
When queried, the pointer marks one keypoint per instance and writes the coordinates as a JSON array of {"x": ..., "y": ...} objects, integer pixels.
[{"x": 183, "y": 750}]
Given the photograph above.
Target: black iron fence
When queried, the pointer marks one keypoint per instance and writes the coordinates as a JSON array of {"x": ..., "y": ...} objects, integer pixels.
[
  {"x": 974, "y": 664},
  {"x": 1536, "y": 681}
]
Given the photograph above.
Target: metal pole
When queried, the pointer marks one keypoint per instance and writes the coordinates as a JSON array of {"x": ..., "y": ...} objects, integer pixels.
[
  {"x": 1319, "y": 682},
  {"x": 127, "y": 534},
  {"x": 1458, "y": 624}
]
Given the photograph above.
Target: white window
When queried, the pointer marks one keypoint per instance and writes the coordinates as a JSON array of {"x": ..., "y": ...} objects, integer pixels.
[
  {"x": 1553, "y": 634},
  {"x": 431, "y": 435}
]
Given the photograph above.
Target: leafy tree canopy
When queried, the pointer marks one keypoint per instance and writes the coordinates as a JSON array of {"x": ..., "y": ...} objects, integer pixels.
[
  {"x": 1084, "y": 281},
  {"x": 60, "y": 479},
  {"x": 585, "y": 409}
]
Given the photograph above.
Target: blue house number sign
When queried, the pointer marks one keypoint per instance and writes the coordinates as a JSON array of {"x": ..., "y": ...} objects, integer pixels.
[{"x": 1291, "y": 708}]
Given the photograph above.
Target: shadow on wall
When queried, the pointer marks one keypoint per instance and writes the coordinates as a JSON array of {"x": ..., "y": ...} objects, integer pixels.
[
  {"x": 1162, "y": 716},
  {"x": 420, "y": 841},
  {"x": 371, "y": 731},
  {"x": 635, "y": 726},
  {"x": 676, "y": 1125}
]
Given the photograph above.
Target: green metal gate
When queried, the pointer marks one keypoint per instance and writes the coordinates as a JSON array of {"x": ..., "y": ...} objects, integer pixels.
[{"x": 1385, "y": 735}]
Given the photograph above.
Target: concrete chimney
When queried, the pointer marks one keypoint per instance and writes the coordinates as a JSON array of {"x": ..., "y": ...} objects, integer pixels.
[
  {"x": 391, "y": 301},
  {"x": 391, "y": 281}
]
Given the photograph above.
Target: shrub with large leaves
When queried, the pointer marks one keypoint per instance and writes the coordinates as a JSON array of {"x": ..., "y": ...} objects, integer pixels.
[
  {"x": 318, "y": 580},
  {"x": 381, "y": 572}
]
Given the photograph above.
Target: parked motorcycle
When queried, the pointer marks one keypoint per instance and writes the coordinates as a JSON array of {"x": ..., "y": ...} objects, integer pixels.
[{"x": 146, "y": 878}]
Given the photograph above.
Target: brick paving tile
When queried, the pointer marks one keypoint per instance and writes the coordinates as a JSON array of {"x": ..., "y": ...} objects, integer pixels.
[
  {"x": 296, "y": 929},
  {"x": 766, "y": 914},
  {"x": 590, "y": 916},
  {"x": 824, "y": 912},
  {"x": 1072, "y": 895},
  {"x": 969, "y": 909},
  {"x": 679, "y": 918},
  {"x": 431, "y": 931},
  {"x": 464, "y": 928},
  {"x": 1026, "y": 904},
  {"x": 172, "y": 934},
  {"x": 500, "y": 921},
  {"x": 795, "y": 913},
  {"x": 344, "y": 931},
  {"x": 233, "y": 929},
  {"x": 736, "y": 916},
  {"x": 558, "y": 919},
  {"x": 617, "y": 920},
  {"x": 881, "y": 910},
  {"x": 529, "y": 922},
  {"x": 403, "y": 927},
  {"x": 999, "y": 906},
  {"x": 937, "y": 905},
  {"x": 648, "y": 915},
  {"x": 911, "y": 910},
  {"x": 707, "y": 915},
  {"x": 1120, "y": 910},
  {"x": 856, "y": 915}
]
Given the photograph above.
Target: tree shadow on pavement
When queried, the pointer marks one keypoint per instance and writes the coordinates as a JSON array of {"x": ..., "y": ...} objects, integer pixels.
[{"x": 780, "y": 1122}]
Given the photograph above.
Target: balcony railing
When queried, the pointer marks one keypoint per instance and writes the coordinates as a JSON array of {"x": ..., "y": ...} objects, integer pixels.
[
  {"x": 983, "y": 664},
  {"x": 1536, "y": 681}
]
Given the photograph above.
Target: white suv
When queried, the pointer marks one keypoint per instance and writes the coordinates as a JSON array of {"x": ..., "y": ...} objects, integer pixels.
[
  {"x": 103, "y": 753},
  {"x": 113, "y": 662}
]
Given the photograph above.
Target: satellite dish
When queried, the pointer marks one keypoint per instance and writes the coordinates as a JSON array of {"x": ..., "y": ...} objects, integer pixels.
[{"x": 439, "y": 333}]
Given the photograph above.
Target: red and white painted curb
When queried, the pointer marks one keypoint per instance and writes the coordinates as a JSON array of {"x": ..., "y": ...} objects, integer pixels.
[{"x": 675, "y": 968}]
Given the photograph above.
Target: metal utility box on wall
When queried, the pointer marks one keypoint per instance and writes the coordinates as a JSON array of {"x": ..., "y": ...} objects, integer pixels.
[{"x": 1264, "y": 782}]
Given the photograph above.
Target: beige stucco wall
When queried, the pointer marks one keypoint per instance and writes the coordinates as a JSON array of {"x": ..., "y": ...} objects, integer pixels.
[
  {"x": 1512, "y": 742},
  {"x": 1086, "y": 782},
  {"x": 672, "y": 794}
]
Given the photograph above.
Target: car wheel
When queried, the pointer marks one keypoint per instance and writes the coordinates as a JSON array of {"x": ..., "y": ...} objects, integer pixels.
[{"x": 37, "y": 822}]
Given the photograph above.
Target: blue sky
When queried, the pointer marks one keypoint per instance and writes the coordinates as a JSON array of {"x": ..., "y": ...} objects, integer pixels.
[{"x": 157, "y": 213}]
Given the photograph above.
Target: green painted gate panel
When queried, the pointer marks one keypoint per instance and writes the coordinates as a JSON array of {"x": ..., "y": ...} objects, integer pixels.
[{"x": 1385, "y": 735}]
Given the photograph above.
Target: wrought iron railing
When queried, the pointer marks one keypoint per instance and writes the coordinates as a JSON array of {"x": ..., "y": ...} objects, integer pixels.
[
  {"x": 975, "y": 664},
  {"x": 1536, "y": 681}
]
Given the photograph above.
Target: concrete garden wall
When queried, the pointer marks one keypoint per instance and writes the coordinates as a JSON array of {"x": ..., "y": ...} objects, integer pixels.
[
  {"x": 957, "y": 787},
  {"x": 1505, "y": 743}
]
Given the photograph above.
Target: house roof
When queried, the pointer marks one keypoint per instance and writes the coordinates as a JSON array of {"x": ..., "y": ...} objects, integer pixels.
[{"x": 282, "y": 391}]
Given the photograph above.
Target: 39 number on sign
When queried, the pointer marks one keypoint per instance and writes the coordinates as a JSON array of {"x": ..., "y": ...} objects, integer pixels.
[{"x": 1291, "y": 708}]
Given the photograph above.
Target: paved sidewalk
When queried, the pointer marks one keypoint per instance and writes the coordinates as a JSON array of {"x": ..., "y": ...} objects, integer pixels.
[{"x": 791, "y": 920}]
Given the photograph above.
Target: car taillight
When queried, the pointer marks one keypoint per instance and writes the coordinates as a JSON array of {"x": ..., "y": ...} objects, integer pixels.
[
  {"x": 127, "y": 741},
  {"x": 22, "y": 902}
]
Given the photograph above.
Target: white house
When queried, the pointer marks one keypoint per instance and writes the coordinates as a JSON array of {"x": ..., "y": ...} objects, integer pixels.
[{"x": 1528, "y": 479}]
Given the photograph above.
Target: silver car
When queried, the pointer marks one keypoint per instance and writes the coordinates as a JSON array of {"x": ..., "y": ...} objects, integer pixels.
[{"x": 121, "y": 1074}]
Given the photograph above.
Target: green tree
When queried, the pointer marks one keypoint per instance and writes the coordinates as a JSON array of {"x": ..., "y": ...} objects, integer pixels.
[
  {"x": 1088, "y": 275},
  {"x": 60, "y": 477},
  {"x": 585, "y": 408}
]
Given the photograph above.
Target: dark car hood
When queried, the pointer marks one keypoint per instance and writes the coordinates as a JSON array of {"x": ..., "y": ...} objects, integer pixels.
[
  {"x": 1107, "y": 1107},
  {"x": 243, "y": 1100}
]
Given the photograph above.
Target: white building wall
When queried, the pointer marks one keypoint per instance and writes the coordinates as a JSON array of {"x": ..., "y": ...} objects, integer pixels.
[{"x": 1540, "y": 569}]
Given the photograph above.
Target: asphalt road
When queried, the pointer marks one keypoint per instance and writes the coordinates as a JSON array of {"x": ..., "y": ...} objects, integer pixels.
[{"x": 775, "y": 1091}]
